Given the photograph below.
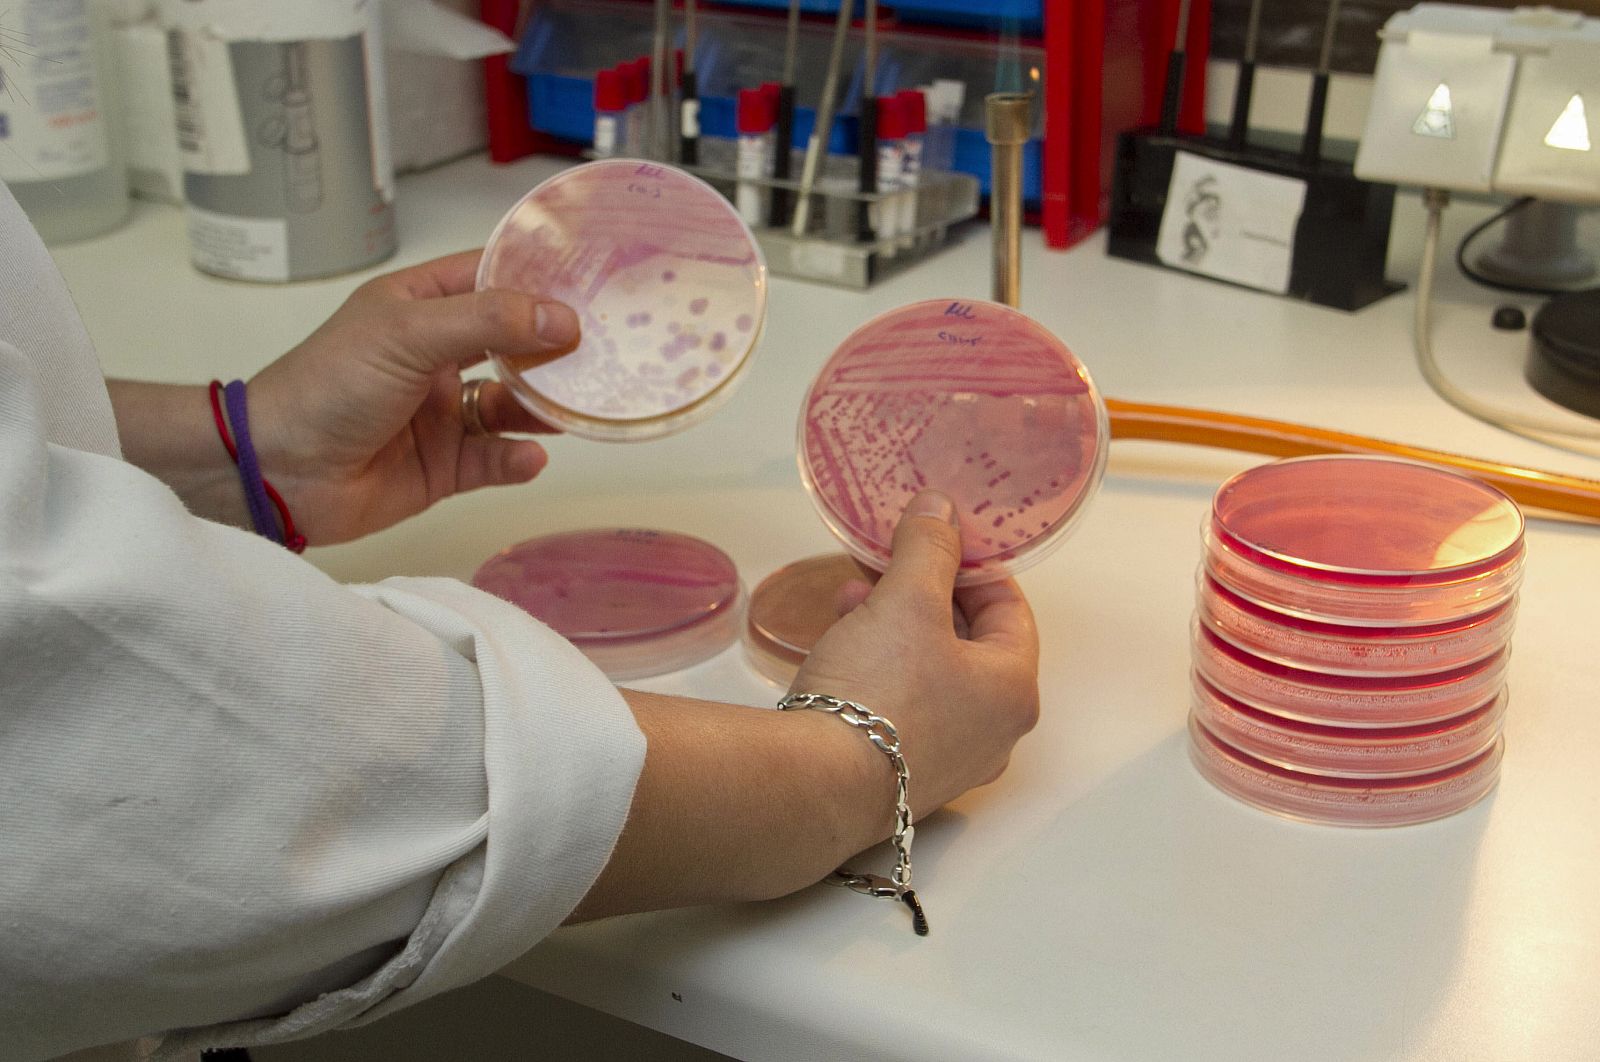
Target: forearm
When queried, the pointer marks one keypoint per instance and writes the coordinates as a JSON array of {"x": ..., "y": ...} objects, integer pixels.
[
  {"x": 740, "y": 804},
  {"x": 168, "y": 430}
]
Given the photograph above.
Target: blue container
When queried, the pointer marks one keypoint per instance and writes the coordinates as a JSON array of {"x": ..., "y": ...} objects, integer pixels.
[
  {"x": 973, "y": 156},
  {"x": 562, "y": 106},
  {"x": 1027, "y": 16}
]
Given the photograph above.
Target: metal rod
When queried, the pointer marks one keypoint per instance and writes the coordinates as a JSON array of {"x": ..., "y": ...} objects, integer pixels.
[
  {"x": 1177, "y": 59},
  {"x": 689, "y": 104},
  {"x": 867, "y": 126},
  {"x": 1311, "y": 144},
  {"x": 1006, "y": 121},
  {"x": 1244, "y": 88},
  {"x": 661, "y": 56},
  {"x": 817, "y": 146}
]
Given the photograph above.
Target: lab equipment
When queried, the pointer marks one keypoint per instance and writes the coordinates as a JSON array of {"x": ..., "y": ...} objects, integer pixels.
[
  {"x": 972, "y": 398},
  {"x": 635, "y": 602},
  {"x": 1351, "y": 637},
  {"x": 60, "y": 150},
  {"x": 283, "y": 139},
  {"x": 669, "y": 285},
  {"x": 753, "y": 167},
  {"x": 610, "y": 111}
]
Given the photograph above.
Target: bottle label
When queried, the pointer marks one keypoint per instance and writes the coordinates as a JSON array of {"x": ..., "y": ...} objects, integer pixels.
[{"x": 51, "y": 124}]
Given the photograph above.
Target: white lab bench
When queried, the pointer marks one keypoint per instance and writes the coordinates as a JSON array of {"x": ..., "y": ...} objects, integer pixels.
[{"x": 1101, "y": 901}]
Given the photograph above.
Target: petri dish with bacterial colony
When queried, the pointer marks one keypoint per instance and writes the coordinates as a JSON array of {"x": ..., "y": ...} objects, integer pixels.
[
  {"x": 1365, "y": 541},
  {"x": 635, "y": 602},
  {"x": 668, "y": 284},
  {"x": 971, "y": 398}
]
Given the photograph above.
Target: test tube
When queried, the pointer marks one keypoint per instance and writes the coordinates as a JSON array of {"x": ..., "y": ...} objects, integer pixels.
[
  {"x": 754, "y": 117},
  {"x": 610, "y": 106},
  {"x": 885, "y": 222},
  {"x": 914, "y": 106}
]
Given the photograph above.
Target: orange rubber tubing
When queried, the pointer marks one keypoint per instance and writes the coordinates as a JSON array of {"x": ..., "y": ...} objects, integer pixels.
[{"x": 1528, "y": 487}]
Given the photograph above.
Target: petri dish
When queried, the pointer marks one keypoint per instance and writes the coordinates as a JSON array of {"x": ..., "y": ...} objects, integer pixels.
[
  {"x": 790, "y": 610},
  {"x": 1349, "y": 752},
  {"x": 667, "y": 281},
  {"x": 972, "y": 398},
  {"x": 1365, "y": 540},
  {"x": 635, "y": 602},
  {"x": 1344, "y": 801},
  {"x": 1345, "y": 700},
  {"x": 1341, "y": 649}
]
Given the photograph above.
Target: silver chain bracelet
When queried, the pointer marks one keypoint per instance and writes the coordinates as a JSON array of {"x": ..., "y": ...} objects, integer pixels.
[{"x": 881, "y": 733}]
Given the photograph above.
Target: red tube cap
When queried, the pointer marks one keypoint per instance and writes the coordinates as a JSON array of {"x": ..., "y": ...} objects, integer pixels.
[
  {"x": 755, "y": 114},
  {"x": 916, "y": 110},
  {"x": 609, "y": 92},
  {"x": 891, "y": 118}
]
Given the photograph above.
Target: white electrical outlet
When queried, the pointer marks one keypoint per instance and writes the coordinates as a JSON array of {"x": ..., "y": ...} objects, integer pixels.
[
  {"x": 1438, "y": 99},
  {"x": 1485, "y": 100},
  {"x": 1551, "y": 144}
]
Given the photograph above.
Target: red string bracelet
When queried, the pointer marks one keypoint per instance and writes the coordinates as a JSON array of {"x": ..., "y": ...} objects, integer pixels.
[{"x": 293, "y": 539}]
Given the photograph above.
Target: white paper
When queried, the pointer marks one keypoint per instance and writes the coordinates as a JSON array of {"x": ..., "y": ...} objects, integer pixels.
[
  {"x": 425, "y": 28},
  {"x": 1230, "y": 222}
]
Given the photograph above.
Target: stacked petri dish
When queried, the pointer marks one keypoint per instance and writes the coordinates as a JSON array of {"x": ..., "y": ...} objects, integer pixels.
[{"x": 1351, "y": 638}]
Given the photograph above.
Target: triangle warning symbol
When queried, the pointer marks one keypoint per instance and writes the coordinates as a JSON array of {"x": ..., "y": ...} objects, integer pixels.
[
  {"x": 1437, "y": 119},
  {"x": 1571, "y": 129}
]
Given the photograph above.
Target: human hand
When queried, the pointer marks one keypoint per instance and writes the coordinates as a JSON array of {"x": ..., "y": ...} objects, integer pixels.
[
  {"x": 360, "y": 425},
  {"x": 962, "y": 688}
]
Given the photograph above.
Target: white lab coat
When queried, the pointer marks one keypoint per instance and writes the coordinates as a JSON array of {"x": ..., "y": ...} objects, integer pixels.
[{"x": 240, "y": 802}]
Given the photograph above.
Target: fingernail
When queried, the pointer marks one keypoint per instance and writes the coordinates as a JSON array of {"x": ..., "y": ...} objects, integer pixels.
[
  {"x": 933, "y": 503},
  {"x": 556, "y": 326}
]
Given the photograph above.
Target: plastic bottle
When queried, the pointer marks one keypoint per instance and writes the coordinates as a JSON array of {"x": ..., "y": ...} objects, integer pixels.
[{"x": 60, "y": 152}]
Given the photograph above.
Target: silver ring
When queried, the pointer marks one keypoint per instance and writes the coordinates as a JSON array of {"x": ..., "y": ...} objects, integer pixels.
[{"x": 471, "y": 411}]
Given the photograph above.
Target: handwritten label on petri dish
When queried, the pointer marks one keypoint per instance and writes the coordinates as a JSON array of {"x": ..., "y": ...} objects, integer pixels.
[
  {"x": 666, "y": 280},
  {"x": 974, "y": 399}
]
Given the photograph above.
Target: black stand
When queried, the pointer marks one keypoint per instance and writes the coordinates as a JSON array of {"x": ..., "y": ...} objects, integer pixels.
[{"x": 1340, "y": 245}]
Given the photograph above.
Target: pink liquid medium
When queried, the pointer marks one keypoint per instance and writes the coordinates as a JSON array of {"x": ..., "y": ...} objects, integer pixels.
[
  {"x": 635, "y": 602},
  {"x": 972, "y": 398},
  {"x": 668, "y": 283}
]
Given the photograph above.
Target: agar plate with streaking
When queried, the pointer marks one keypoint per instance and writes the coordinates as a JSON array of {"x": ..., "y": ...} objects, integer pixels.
[
  {"x": 972, "y": 398},
  {"x": 669, "y": 286}
]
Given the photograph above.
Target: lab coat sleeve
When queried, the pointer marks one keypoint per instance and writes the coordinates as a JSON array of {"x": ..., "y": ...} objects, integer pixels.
[{"x": 236, "y": 793}]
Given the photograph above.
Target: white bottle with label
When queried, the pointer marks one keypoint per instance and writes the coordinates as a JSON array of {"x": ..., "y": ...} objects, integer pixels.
[{"x": 59, "y": 149}]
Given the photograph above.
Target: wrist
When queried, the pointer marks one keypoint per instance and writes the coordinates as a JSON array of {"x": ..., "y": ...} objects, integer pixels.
[{"x": 167, "y": 430}]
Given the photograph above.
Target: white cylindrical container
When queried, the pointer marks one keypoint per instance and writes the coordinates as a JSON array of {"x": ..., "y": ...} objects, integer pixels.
[
  {"x": 59, "y": 149},
  {"x": 283, "y": 136}
]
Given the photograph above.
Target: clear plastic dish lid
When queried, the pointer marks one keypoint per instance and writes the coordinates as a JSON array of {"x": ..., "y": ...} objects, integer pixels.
[
  {"x": 667, "y": 281},
  {"x": 636, "y": 602},
  {"x": 971, "y": 398},
  {"x": 1365, "y": 540}
]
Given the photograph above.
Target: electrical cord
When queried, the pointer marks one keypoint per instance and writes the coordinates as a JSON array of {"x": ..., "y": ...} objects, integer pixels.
[
  {"x": 1548, "y": 432},
  {"x": 1489, "y": 282}
]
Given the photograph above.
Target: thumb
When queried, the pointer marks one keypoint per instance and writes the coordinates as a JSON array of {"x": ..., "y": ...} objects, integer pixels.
[
  {"x": 926, "y": 554},
  {"x": 459, "y": 329}
]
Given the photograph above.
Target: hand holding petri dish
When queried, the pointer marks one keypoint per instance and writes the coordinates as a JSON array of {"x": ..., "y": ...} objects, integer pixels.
[
  {"x": 669, "y": 286},
  {"x": 972, "y": 398}
]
